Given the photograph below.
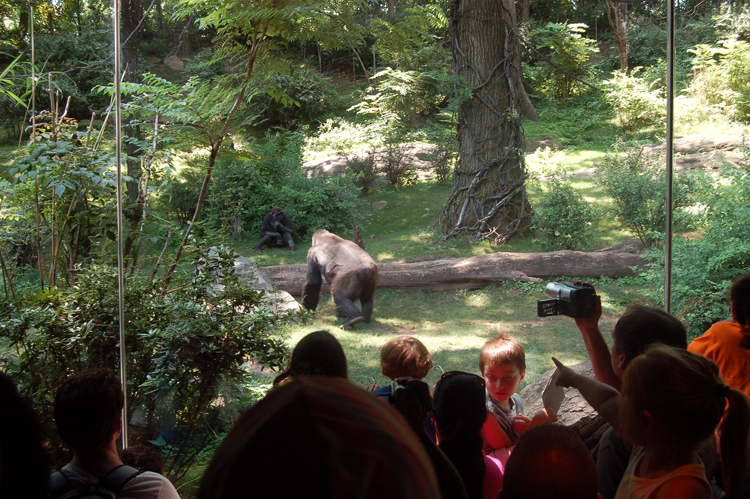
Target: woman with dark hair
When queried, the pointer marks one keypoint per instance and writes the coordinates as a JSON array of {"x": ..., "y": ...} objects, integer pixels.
[
  {"x": 459, "y": 413},
  {"x": 317, "y": 354},
  {"x": 727, "y": 343}
]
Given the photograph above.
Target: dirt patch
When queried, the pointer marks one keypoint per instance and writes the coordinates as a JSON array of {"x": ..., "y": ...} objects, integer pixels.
[{"x": 416, "y": 154}]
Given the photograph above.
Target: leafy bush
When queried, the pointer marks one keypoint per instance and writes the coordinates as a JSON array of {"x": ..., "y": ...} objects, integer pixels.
[
  {"x": 563, "y": 217},
  {"x": 566, "y": 48},
  {"x": 403, "y": 96},
  {"x": 302, "y": 95},
  {"x": 636, "y": 182},
  {"x": 64, "y": 50},
  {"x": 362, "y": 170},
  {"x": 703, "y": 268},
  {"x": 722, "y": 76},
  {"x": 188, "y": 346},
  {"x": 242, "y": 192},
  {"x": 635, "y": 100},
  {"x": 398, "y": 171}
]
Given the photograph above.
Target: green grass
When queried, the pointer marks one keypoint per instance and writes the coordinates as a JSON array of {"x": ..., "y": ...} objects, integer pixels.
[{"x": 455, "y": 324}]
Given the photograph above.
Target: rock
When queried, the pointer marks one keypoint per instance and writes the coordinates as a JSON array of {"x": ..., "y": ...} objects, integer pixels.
[
  {"x": 152, "y": 60},
  {"x": 379, "y": 205},
  {"x": 280, "y": 301},
  {"x": 694, "y": 144},
  {"x": 575, "y": 411},
  {"x": 545, "y": 141},
  {"x": 174, "y": 62},
  {"x": 711, "y": 161}
]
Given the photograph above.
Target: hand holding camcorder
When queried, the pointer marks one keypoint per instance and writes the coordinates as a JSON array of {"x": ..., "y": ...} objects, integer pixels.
[{"x": 574, "y": 300}]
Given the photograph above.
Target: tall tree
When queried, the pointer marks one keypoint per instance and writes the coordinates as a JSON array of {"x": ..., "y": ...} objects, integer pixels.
[
  {"x": 619, "y": 25},
  {"x": 488, "y": 197}
]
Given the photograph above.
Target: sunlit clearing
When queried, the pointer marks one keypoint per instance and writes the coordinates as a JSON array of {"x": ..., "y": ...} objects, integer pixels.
[
  {"x": 477, "y": 300},
  {"x": 385, "y": 256}
]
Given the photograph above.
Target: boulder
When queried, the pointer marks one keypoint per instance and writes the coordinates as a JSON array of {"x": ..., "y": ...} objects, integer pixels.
[
  {"x": 694, "y": 144},
  {"x": 152, "y": 60},
  {"x": 545, "y": 141},
  {"x": 174, "y": 62},
  {"x": 575, "y": 412},
  {"x": 379, "y": 205}
]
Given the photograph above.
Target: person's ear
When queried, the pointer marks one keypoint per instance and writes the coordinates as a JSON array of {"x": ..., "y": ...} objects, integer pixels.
[{"x": 523, "y": 375}]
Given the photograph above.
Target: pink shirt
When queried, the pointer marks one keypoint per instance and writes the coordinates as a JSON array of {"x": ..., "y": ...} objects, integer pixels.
[{"x": 493, "y": 477}]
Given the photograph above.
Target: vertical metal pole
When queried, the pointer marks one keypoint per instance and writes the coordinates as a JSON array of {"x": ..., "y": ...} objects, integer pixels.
[
  {"x": 670, "y": 157},
  {"x": 120, "y": 259}
]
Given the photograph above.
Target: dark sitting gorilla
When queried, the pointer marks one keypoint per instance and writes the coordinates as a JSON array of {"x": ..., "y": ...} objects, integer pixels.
[
  {"x": 276, "y": 231},
  {"x": 350, "y": 272}
]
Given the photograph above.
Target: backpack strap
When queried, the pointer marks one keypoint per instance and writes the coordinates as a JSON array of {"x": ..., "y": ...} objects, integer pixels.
[
  {"x": 60, "y": 484},
  {"x": 120, "y": 476}
]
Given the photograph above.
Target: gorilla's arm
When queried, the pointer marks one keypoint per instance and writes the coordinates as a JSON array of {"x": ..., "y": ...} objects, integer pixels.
[
  {"x": 311, "y": 291},
  {"x": 286, "y": 225}
]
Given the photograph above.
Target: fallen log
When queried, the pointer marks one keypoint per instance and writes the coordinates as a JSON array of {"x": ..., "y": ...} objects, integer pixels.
[{"x": 479, "y": 271}]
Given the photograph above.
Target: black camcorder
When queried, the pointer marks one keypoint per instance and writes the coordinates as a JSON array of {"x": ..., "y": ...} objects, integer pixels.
[{"x": 570, "y": 299}]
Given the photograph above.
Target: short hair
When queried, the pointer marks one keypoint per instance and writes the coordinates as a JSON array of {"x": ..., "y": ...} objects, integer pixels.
[
  {"x": 640, "y": 326},
  {"x": 405, "y": 356},
  {"x": 87, "y": 408},
  {"x": 740, "y": 299},
  {"x": 502, "y": 349},
  {"x": 317, "y": 354},
  {"x": 550, "y": 461},
  {"x": 348, "y": 444}
]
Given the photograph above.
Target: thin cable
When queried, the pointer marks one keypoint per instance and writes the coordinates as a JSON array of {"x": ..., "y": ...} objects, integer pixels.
[
  {"x": 670, "y": 157},
  {"x": 120, "y": 259}
]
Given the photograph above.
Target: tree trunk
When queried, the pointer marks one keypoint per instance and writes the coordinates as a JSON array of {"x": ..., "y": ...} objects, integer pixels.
[
  {"x": 479, "y": 271},
  {"x": 620, "y": 28},
  {"x": 525, "y": 11},
  {"x": 488, "y": 197}
]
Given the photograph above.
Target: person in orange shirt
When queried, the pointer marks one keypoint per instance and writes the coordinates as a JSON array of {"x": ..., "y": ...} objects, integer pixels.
[{"x": 727, "y": 343}]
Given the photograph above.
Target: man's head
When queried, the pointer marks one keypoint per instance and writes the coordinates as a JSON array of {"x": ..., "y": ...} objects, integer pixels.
[
  {"x": 405, "y": 356},
  {"x": 550, "y": 462},
  {"x": 502, "y": 361},
  {"x": 638, "y": 328},
  {"x": 88, "y": 409}
]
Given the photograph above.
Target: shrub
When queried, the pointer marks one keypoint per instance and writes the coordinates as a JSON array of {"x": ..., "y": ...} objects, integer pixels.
[
  {"x": 405, "y": 95},
  {"x": 182, "y": 346},
  {"x": 242, "y": 192},
  {"x": 635, "y": 100},
  {"x": 443, "y": 158},
  {"x": 636, "y": 182},
  {"x": 703, "y": 268},
  {"x": 566, "y": 48},
  {"x": 722, "y": 76},
  {"x": 302, "y": 95},
  {"x": 396, "y": 167},
  {"x": 362, "y": 171},
  {"x": 563, "y": 217}
]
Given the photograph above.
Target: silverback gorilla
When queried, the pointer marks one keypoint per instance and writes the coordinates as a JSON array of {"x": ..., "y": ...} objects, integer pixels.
[{"x": 350, "y": 272}]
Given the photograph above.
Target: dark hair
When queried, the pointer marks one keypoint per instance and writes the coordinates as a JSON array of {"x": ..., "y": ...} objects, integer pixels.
[
  {"x": 740, "y": 299},
  {"x": 641, "y": 326},
  {"x": 502, "y": 349},
  {"x": 347, "y": 444},
  {"x": 24, "y": 466},
  {"x": 459, "y": 411},
  {"x": 405, "y": 356},
  {"x": 143, "y": 457},
  {"x": 317, "y": 354},
  {"x": 686, "y": 397},
  {"x": 87, "y": 408},
  {"x": 550, "y": 461}
]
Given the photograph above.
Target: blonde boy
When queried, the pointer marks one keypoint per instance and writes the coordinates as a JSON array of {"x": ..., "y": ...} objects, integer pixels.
[{"x": 502, "y": 361}]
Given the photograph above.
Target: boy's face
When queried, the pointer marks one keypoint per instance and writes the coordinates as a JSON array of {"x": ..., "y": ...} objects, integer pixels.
[{"x": 502, "y": 380}]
